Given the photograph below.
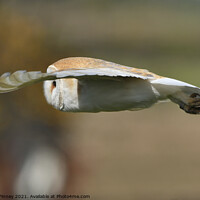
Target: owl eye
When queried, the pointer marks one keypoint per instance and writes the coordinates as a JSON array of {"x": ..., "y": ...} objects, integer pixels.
[
  {"x": 54, "y": 83},
  {"x": 53, "y": 86}
]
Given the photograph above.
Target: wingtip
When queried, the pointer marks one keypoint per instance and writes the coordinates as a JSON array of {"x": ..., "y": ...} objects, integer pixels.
[{"x": 5, "y": 75}]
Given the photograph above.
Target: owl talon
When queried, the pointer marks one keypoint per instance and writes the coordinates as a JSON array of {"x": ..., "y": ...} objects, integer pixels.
[{"x": 193, "y": 107}]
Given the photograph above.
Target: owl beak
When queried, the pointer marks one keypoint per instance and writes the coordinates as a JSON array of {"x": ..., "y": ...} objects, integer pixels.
[
  {"x": 61, "y": 107},
  {"x": 61, "y": 103}
]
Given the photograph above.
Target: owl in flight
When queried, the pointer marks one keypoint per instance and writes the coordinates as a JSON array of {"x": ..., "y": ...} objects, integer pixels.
[{"x": 81, "y": 84}]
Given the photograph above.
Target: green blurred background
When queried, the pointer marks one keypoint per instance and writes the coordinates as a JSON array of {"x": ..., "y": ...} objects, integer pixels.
[{"x": 150, "y": 154}]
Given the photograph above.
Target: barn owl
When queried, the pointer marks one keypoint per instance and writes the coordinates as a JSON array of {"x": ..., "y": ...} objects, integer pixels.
[{"x": 81, "y": 84}]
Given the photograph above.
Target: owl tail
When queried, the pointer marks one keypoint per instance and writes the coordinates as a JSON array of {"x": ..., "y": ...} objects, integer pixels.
[{"x": 185, "y": 95}]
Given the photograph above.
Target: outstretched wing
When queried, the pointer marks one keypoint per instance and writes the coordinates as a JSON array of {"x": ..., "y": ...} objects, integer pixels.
[{"x": 10, "y": 82}]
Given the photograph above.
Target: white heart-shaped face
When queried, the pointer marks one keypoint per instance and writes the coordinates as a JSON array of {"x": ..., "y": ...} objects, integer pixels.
[
  {"x": 52, "y": 90},
  {"x": 62, "y": 94}
]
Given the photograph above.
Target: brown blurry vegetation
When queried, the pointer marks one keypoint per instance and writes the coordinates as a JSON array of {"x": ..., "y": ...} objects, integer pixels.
[
  {"x": 24, "y": 45},
  {"x": 150, "y": 154}
]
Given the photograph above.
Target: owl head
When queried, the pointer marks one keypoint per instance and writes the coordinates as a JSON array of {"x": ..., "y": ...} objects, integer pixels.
[{"x": 62, "y": 94}]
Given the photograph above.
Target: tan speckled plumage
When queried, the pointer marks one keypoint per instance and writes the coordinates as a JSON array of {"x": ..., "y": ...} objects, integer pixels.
[{"x": 84, "y": 62}]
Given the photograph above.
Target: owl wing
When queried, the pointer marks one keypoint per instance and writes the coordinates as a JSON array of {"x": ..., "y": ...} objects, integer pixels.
[
  {"x": 186, "y": 95},
  {"x": 19, "y": 79}
]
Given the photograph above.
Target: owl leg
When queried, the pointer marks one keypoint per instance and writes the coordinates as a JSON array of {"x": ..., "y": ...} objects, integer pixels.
[
  {"x": 193, "y": 106},
  {"x": 187, "y": 96}
]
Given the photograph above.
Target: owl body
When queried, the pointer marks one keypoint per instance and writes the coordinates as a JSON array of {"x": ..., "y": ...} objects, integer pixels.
[
  {"x": 95, "y": 95},
  {"x": 73, "y": 95},
  {"x": 82, "y": 84}
]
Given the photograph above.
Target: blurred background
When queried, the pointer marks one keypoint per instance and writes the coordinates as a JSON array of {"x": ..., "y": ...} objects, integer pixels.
[{"x": 149, "y": 154}]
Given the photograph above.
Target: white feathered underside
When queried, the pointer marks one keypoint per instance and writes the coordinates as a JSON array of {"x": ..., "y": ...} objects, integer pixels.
[{"x": 169, "y": 86}]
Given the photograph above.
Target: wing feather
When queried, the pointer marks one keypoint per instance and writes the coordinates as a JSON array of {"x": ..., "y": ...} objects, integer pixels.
[
  {"x": 10, "y": 82},
  {"x": 89, "y": 72},
  {"x": 19, "y": 79}
]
